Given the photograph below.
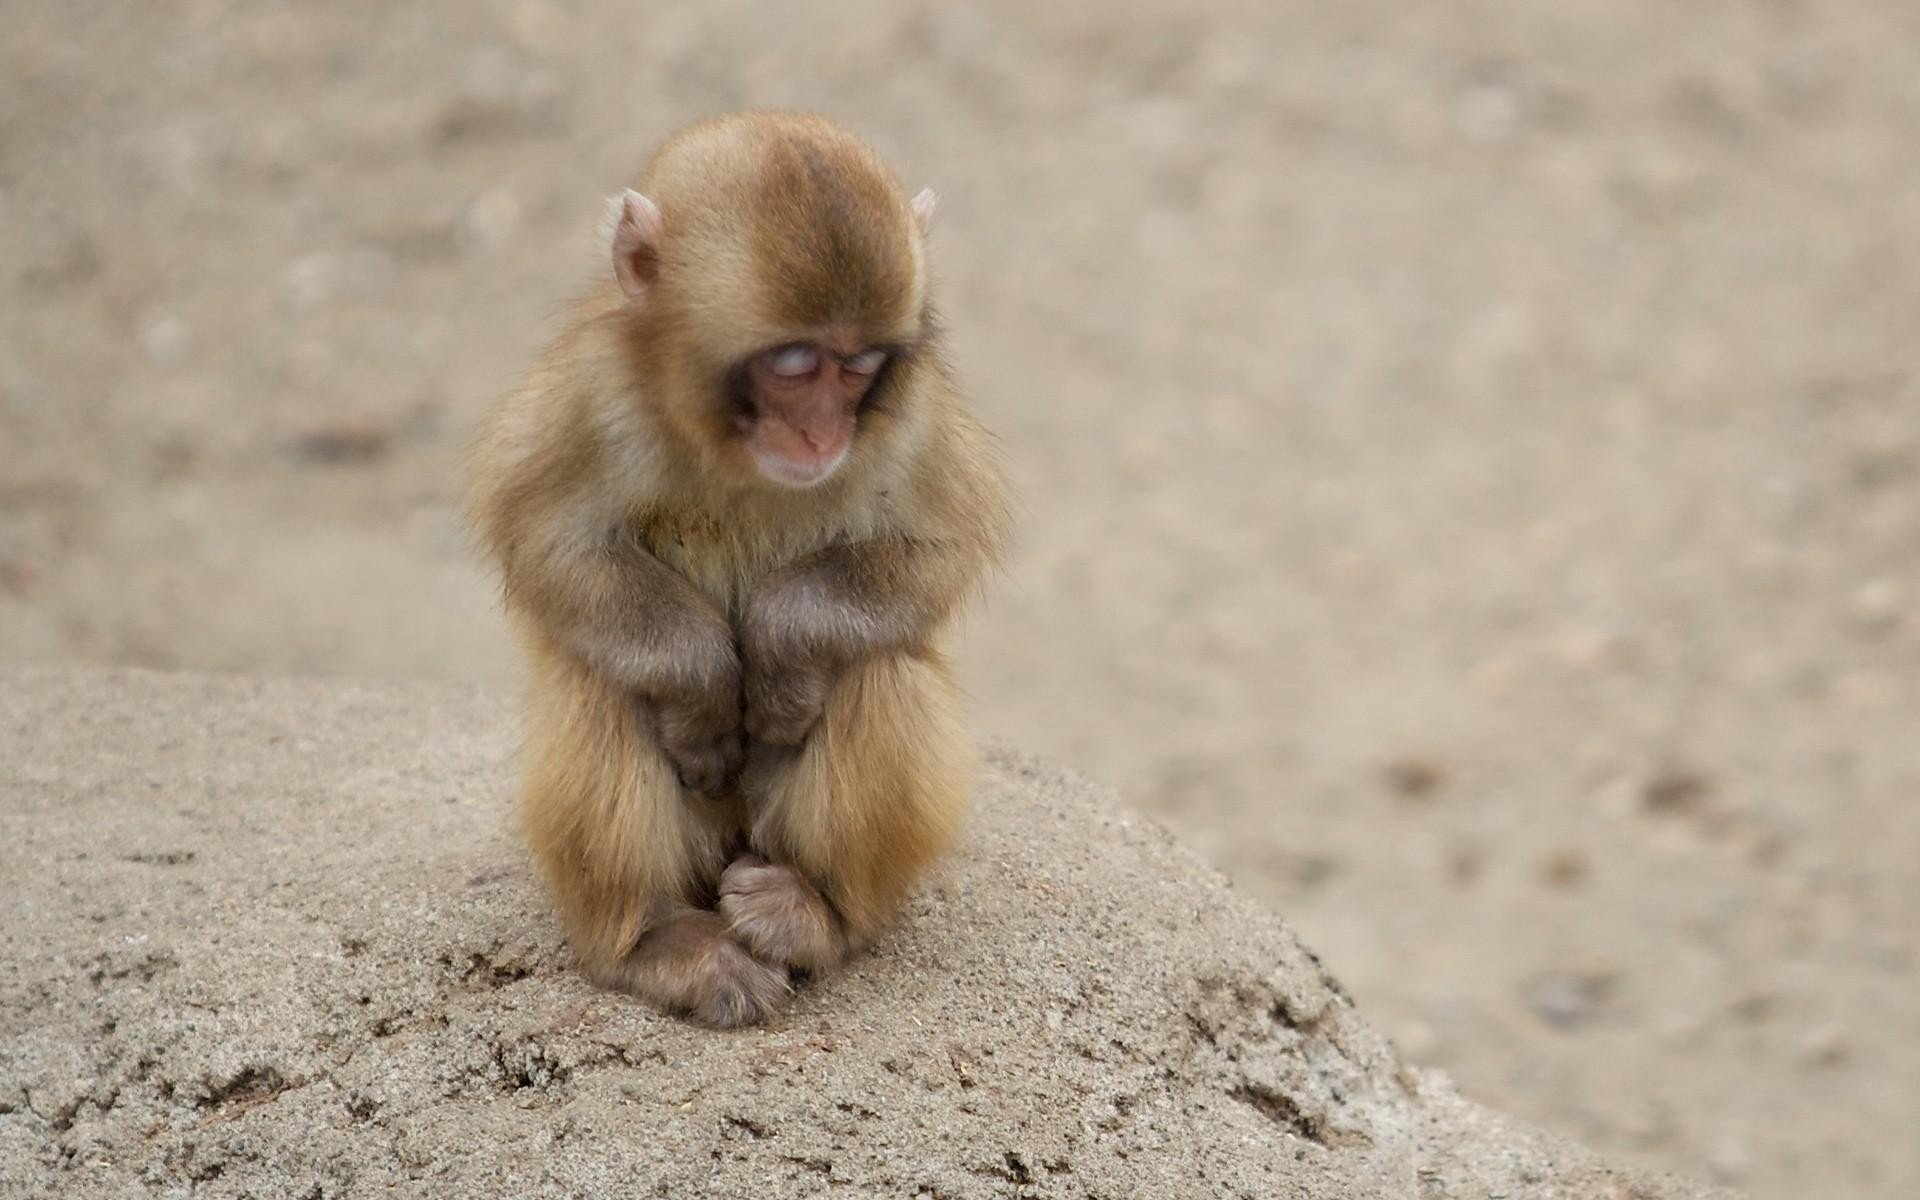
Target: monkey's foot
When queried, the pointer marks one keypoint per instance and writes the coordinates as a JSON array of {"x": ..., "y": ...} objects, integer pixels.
[
  {"x": 689, "y": 964},
  {"x": 779, "y": 915}
]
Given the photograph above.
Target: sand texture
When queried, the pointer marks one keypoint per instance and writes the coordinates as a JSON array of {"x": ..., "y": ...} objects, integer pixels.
[{"x": 272, "y": 939}]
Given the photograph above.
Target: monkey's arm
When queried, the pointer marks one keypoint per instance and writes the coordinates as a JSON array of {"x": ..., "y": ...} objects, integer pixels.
[
  {"x": 806, "y": 623},
  {"x": 632, "y": 619}
]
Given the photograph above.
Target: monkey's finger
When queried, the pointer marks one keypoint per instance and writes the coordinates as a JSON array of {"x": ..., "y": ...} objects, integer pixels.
[{"x": 703, "y": 773}]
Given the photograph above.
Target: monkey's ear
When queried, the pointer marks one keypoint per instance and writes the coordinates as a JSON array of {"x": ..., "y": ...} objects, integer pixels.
[
  {"x": 637, "y": 229},
  {"x": 923, "y": 209}
]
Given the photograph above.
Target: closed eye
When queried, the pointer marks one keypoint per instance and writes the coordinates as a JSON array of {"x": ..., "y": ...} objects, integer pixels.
[
  {"x": 791, "y": 362},
  {"x": 864, "y": 363}
]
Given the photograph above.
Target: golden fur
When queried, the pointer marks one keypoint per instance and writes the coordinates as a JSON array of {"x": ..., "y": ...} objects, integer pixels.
[{"x": 666, "y": 596}]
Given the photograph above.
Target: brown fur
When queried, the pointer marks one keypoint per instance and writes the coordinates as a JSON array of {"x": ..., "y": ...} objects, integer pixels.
[{"x": 671, "y": 601}]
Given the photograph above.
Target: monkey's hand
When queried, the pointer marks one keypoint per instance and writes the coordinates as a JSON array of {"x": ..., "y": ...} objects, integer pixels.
[
  {"x": 788, "y": 638},
  {"x": 703, "y": 743},
  {"x": 691, "y": 691},
  {"x": 807, "y": 622},
  {"x": 784, "y": 701}
]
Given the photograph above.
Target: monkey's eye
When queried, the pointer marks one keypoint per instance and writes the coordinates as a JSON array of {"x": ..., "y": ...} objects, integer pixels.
[
  {"x": 792, "y": 362},
  {"x": 864, "y": 363}
]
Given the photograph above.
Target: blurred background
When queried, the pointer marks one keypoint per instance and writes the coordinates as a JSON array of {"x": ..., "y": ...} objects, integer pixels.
[{"x": 1467, "y": 451}]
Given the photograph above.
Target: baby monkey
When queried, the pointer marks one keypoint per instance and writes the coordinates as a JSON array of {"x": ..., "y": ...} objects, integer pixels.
[{"x": 735, "y": 508}]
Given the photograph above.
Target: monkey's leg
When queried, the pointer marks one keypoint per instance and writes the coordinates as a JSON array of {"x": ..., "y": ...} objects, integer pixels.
[
  {"x": 853, "y": 816},
  {"x": 629, "y": 854}
]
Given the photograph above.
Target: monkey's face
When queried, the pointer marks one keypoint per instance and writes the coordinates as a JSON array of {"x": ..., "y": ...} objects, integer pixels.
[
  {"x": 797, "y": 406},
  {"x": 779, "y": 259}
]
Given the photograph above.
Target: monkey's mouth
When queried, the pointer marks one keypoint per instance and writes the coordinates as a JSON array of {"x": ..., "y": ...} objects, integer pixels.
[{"x": 786, "y": 471}]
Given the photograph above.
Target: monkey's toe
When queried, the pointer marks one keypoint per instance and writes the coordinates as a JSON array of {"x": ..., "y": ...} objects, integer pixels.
[
  {"x": 741, "y": 990},
  {"x": 689, "y": 963},
  {"x": 779, "y": 915}
]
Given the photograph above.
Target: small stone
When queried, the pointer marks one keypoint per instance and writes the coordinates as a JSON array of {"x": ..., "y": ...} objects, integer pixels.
[
  {"x": 1674, "y": 790},
  {"x": 1564, "y": 868},
  {"x": 1569, "y": 999},
  {"x": 1414, "y": 778}
]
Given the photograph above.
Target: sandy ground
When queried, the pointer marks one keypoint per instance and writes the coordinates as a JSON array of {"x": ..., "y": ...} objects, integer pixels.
[
  {"x": 211, "y": 993},
  {"x": 1468, "y": 452}
]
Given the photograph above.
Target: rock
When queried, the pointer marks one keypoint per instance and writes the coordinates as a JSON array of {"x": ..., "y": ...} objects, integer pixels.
[
  {"x": 1569, "y": 999},
  {"x": 271, "y": 938}
]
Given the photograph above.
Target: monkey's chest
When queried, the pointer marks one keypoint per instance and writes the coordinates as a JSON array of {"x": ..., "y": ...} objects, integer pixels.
[{"x": 723, "y": 563}]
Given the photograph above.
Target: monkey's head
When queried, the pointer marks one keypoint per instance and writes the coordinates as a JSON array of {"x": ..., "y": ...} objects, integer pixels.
[{"x": 775, "y": 271}]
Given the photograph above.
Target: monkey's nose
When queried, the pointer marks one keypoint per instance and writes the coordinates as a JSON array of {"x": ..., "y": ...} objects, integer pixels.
[
  {"x": 816, "y": 438},
  {"x": 818, "y": 417}
]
